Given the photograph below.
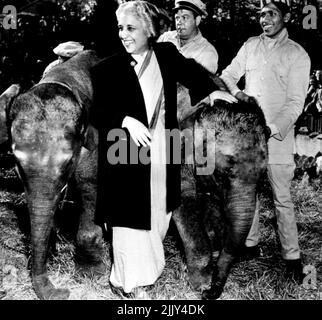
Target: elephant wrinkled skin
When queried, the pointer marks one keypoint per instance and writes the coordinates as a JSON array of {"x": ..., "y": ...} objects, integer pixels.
[
  {"x": 218, "y": 207},
  {"x": 48, "y": 127}
]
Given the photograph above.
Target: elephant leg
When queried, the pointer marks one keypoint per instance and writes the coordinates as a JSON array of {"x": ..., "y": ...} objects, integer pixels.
[
  {"x": 190, "y": 226},
  {"x": 41, "y": 226},
  {"x": 239, "y": 213},
  {"x": 196, "y": 245},
  {"x": 89, "y": 248}
]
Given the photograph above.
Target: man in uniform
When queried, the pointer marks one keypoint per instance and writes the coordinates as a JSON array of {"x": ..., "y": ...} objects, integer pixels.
[
  {"x": 277, "y": 71},
  {"x": 190, "y": 43}
]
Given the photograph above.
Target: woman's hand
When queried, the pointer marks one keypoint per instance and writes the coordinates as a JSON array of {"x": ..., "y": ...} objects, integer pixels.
[
  {"x": 138, "y": 131},
  {"x": 221, "y": 95}
]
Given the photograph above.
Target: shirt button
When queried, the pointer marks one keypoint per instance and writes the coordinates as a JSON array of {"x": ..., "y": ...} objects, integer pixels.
[
  {"x": 265, "y": 62},
  {"x": 258, "y": 95},
  {"x": 262, "y": 78}
]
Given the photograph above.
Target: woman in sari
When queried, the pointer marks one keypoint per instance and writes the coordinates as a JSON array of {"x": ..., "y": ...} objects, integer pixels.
[{"x": 135, "y": 91}]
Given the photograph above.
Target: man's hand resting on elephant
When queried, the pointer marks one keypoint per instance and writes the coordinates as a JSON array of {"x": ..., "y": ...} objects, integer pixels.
[
  {"x": 221, "y": 95},
  {"x": 242, "y": 96}
]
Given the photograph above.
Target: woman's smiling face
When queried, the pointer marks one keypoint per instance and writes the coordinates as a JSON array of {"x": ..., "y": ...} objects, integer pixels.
[{"x": 132, "y": 34}]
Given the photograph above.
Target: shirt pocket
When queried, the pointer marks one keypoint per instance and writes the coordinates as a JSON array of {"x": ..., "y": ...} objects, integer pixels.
[
  {"x": 251, "y": 65},
  {"x": 252, "y": 71},
  {"x": 280, "y": 72}
]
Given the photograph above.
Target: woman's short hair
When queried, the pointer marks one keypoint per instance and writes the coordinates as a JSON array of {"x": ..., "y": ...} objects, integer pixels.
[{"x": 145, "y": 12}]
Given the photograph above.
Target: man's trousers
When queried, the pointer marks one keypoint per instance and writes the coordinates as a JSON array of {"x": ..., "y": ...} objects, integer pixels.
[{"x": 280, "y": 177}]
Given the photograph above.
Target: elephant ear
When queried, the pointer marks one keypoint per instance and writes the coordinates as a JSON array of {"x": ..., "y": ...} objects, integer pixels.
[
  {"x": 5, "y": 101},
  {"x": 90, "y": 138}
]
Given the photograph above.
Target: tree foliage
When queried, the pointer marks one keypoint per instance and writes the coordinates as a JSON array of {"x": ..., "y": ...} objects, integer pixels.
[{"x": 42, "y": 24}]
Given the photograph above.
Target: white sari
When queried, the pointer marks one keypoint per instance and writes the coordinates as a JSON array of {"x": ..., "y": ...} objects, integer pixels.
[{"x": 138, "y": 254}]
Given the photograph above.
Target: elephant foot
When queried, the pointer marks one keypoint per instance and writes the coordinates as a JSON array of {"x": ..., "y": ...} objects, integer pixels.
[
  {"x": 45, "y": 290},
  {"x": 215, "y": 291},
  {"x": 212, "y": 294},
  {"x": 91, "y": 270},
  {"x": 89, "y": 249},
  {"x": 89, "y": 253},
  {"x": 200, "y": 279},
  {"x": 89, "y": 258}
]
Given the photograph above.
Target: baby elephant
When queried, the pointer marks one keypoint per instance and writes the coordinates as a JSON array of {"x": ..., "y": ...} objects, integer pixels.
[
  {"x": 48, "y": 128},
  {"x": 219, "y": 189}
]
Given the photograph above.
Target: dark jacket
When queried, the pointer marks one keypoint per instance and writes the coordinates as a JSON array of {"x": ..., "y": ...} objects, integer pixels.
[{"x": 124, "y": 189}]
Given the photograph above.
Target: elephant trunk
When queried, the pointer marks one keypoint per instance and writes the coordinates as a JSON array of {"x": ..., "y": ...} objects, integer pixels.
[
  {"x": 240, "y": 210},
  {"x": 41, "y": 220},
  {"x": 42, "y": 210}
]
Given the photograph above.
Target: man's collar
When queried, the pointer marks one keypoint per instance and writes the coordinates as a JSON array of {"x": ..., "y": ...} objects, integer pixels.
[
  {"x": 282, "y": 36},
  {"x": 193, "y": 39}
]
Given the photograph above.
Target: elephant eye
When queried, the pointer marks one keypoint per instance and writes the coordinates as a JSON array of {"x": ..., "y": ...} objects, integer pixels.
[{"x": 69, "y": 133}]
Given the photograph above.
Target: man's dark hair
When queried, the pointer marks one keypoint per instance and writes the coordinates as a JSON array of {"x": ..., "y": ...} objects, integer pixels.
[{"x": 281, "y": 6}]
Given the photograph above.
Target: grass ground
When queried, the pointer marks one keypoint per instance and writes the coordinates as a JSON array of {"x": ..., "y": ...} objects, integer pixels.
[{"x": 260, "y": 279}]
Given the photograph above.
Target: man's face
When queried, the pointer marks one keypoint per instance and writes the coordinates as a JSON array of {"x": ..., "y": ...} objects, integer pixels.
[
  {"x": 186, "y": 24},
  {"x": 271, "y": 20}
]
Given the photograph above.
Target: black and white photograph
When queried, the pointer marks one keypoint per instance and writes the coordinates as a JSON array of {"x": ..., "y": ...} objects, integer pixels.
[{"x": 161, "y": 150}]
